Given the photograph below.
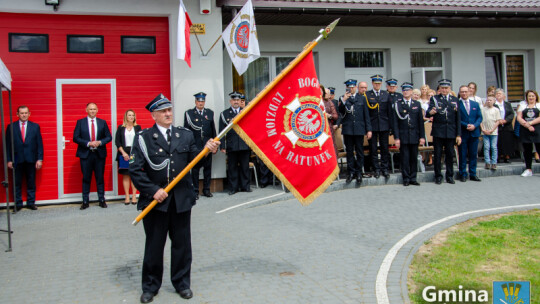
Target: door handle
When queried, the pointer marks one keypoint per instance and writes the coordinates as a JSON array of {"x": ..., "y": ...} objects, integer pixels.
[{"x": 64, "y": 141}]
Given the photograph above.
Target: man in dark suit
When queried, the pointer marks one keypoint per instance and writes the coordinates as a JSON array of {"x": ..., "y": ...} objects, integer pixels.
[
  {"x": 28, "y": 150},
  {"x": 159, "y": 154},
  {"x": 408, "y": 133},
  {"x": 200, "y": 121},
  {"x": 237, "y": 150},
  {"x": 446, "y": 130},
  {"x": 92, "y": 134},
  {"x": 380, "y": 113},
  {"x": 355, "y": 124},
  {"x": 471, "y": 118}
]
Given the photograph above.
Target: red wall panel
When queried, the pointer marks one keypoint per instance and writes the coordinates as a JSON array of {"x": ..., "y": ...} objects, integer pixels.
[{"x": 139, "y": 77}]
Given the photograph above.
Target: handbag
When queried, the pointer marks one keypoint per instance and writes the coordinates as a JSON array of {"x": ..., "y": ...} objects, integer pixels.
[{"x": 123, "y": 164}]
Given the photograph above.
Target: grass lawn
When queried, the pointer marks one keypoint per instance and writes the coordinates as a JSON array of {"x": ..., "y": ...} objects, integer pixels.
[{"x": 475, "y": 253}]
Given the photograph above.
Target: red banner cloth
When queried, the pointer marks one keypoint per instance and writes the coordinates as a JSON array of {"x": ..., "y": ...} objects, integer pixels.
[{"x": 288, "y": 130}]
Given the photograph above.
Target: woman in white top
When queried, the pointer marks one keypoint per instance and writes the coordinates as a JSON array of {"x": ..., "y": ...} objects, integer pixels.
[
  {"x": 424, "y": 97},
  {"x": 472, "y": 94},
  {"x": 124, "y": 141}
]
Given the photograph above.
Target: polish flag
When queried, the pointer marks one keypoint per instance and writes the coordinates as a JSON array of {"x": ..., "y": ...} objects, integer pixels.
[{"x": 183, "y": 47}]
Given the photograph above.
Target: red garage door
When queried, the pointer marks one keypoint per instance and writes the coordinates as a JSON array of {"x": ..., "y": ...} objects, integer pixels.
[{"x": 131, "y": 51}]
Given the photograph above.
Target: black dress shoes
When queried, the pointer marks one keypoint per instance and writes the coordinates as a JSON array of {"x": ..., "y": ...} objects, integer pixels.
[
  {"x": 232, "y": 192},
  {"x": 450, "y": 180},
  {"x": 386, "y": 174},
  {"x": 196, "y": 196},
  {"x": 32, "y": 207},
  {"x": 475, "y": 178},
  {"x": 462, "y": 179},
  {"x": 349, "y": 179},
  {"x": 147, "y": 297},
  {"x": 186, "y": 293},
  {"x": 414, "y": 183},
  {"x": 84, "y": 206},
  {"x": 207, "y": 194},
  {"x": 18, "y": 208},
  {"x": 359, "y": 180},
  {"x": 247, "y": 190},
  {"x": 406, "y": 184},
  {"x": 438, "y": 180},
  {"x": 377, "y": 174},
  {"x": 102, "y": 204}
]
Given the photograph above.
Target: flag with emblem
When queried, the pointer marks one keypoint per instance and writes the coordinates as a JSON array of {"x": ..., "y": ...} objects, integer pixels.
[
  {"x": 240, "y": 38},
  {"x": 288, "y": 130}
]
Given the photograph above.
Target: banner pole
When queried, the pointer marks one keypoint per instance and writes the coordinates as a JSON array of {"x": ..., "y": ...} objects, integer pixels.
[
  {"x": 308, "y": 48},
  {"x": 181, "y": 175}
]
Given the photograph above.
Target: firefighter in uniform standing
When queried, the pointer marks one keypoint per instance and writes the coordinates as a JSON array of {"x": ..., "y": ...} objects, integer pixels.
[
  {"x": 391, "y": 87},
  {"x": 355, "y": 124},
  {"x": 380, "y": 112},
  {"x": 200, "y": 121},
  {"x": 237, "y": 150},
  {"x": 408, "y": 133},
  {"x": 158, "y": 155},
  {"x": 446, "y": 130}
]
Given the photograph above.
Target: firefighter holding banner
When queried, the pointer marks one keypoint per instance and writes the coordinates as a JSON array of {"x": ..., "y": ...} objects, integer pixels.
[{"x": 158, "y": 155}]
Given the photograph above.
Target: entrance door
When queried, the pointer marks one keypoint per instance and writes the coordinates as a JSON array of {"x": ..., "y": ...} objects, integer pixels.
[{"x": 72, "y": 96}]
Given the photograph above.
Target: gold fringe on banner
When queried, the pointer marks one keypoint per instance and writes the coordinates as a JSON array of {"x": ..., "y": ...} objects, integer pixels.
[{"x": 305, "y": 201}]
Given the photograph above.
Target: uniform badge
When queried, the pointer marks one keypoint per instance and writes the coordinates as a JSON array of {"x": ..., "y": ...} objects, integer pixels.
[
  {"x": 155, "y": 135},
  {"x": 131, "y": 159},
  {"x": 530, "y": 113},
  {"x": 177, "y": 135}
]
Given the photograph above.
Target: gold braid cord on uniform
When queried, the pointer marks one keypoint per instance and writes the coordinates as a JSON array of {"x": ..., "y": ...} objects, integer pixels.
[{"x": 376, "y": 106}]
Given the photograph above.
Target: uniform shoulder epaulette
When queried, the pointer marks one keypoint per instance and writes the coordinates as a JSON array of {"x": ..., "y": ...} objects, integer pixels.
[
  {"x": 143, "y": 131},
  {"x": 182, "y": 128}
]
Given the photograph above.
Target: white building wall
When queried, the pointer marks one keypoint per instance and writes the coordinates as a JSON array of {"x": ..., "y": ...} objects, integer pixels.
[{"x": 464, "y": 50}]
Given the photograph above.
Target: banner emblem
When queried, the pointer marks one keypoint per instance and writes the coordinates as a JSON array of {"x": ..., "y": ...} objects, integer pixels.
[
  {"x": 304, "y": 122},
  {"x": 241, "y": 36}
]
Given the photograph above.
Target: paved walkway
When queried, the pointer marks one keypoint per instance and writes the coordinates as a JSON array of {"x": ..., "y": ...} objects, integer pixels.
[{"x": 281, "y": 252}]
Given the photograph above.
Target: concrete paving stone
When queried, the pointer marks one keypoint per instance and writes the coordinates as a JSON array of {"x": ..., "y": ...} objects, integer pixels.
[{"x": 334, "y": 247}]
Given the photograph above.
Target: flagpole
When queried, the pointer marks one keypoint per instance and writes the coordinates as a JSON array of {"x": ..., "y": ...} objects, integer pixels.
[
  {"x": 308, "y": 48},
  {"x": 200, "y": 47},
  {"x": 219, "y": 37}
]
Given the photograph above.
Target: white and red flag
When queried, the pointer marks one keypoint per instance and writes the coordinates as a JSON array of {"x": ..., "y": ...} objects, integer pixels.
[
  {"x": 288, "y": 130},
  {"x": 183, "y": 45},
  {"x": 240, "y": 38}
]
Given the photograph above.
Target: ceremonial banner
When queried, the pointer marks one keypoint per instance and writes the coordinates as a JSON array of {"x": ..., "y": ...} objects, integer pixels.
[
  {"x": 183, "y": 45},
  {"x": 288, "y": 130},
  {"x": 240, "y": 38}
]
